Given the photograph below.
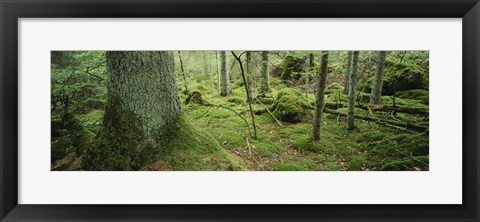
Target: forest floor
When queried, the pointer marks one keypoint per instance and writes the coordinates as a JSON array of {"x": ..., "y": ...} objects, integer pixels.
[{"x": 288, "y": 147}]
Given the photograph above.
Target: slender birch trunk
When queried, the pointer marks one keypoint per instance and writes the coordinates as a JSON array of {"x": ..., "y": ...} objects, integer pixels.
[
  {"x": 347, "y": 74},
  {"x": 376, "y": 93}
]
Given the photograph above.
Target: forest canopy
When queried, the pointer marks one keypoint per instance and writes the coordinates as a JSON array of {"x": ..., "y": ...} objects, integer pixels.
[{"x": 240, "y": 110}]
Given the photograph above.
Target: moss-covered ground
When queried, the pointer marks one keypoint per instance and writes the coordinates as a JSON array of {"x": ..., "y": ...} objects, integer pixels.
[{"x": 213, "y": 137}]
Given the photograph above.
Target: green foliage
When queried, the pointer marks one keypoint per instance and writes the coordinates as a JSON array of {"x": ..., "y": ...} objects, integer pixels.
[{"x": 77, "y": 82}]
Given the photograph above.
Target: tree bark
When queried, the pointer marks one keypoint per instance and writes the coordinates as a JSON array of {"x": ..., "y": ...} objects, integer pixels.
[
  {"x": 352, "y": 81},
  {"x": 319, "y": 100},
  {"x": 185, "y": 83},
  {"x": 249, "y": 73},
  {"x": 218, "y": 71},
  {"x": 205, "y": 66},
  {"x": 347, "y": 74},
  {"x": 142, "y": 103},
  {"x": 265, "y": 82},
  {"x": 378, "y": 78},
  {"x": 224, "y": 78}
]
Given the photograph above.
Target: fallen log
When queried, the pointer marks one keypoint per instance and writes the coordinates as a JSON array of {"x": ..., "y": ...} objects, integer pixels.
[
  {"x": 384, "y": 121},
  {"x": 383, "y": 108}
]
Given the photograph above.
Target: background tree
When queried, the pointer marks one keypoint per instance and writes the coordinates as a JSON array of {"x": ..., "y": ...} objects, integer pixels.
[
  {"x": 265, "y": 82},
  {"x": 319, "y": 100},
  {"x": 352, "y": 81},
  {"x": 142, "y": 103},
  {"x": 347, "y": 73},
  {"x": 378, "y": 78},
  {"x": 182, "y": 68},
  {"x": 249, "y": 73},
  {"x": 224, "y": 77}
]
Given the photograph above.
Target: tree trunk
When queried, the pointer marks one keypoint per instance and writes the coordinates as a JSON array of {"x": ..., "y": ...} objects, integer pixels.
[
  {"x": 249, "y": 73},
  {"x": 142, "y": 104},
  {"x": 347, "y": 74},
  {"x": 308, "y": 64},
  {"x": 265, "y": 84},
  {"x": 185, "y": 83},
  {"x": 218, "y": 71},
  {"x": 319, "y": 100},
  {"x": 352, "y": 81},
  {"x": 224, "y": 78},
  {"x": 377, "y": 80},
  {"x": 205, "y": 66}
]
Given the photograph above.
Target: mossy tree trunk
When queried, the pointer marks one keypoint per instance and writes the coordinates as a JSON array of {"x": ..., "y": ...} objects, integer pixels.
[
  {"x": 319, "y": 100},
  {"x": 347, "y": 74},
  {"x": 224, "y": 78},
  {"x": 142, "y": 103},
  {"x": 352, "y": 81},
  {"x": 249, "y": 73},
  {"x": 265, "y": 82},
  {"x": 378, "y": 78}
]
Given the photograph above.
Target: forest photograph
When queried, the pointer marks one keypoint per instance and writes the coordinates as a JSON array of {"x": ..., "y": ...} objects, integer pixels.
[{"x": 239, "y": 110}]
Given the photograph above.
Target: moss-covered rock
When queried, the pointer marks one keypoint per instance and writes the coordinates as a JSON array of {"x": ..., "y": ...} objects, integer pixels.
[
  {"x": 334, "y": 88},
  {"x": 292, "y": 68},
  {"x": 291, "y": 106},
  {"x": 401, "y": 77}
]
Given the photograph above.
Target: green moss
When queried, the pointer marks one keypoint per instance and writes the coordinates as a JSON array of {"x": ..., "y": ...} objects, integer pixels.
[
  {"x": 401, "y": 77},
  {"x": 287, "y": 167},
  {"x": 56, "y": 127},
  {"x": 236, "y": 100},
  {"x": 291, "y": 106},
  {"x": 193, "y": 149},
  {"x": 334, "y": 88},
  {"x": 407, "y": 164},
  {"x": 267, "y": 148},
  {"x": 292, "y": 67},
  {"x": 414, "y": 94},
  {"x": 79, "y": 136},
  {"x": 59, "y": 148}
]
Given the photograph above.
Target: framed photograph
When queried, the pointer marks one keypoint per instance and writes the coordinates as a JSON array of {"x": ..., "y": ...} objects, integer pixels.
[{"x": 310, "y": 110}]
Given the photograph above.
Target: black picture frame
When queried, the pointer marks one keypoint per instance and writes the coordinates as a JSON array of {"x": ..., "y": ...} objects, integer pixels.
[{"x": 11, "y": 11}]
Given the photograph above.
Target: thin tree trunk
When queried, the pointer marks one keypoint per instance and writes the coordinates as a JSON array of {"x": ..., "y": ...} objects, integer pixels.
[
  {"x": 378, "y": 79},
  {"x": 205, "y": 66},
  {"x": 265, "y": 82},
  {"x": 185, "y": 83},
  {"x": 142, "y": 104},
  {"x": 347, "y": 74},
  {"x": 218, "y": 71},
  {"x": 351, "y": 91},
  {"x": 224, "y": 78},
  {"x": 249, "y": 73},
  {"x": 319, "y": 100},
  {"x": 249, "y": 98}
]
